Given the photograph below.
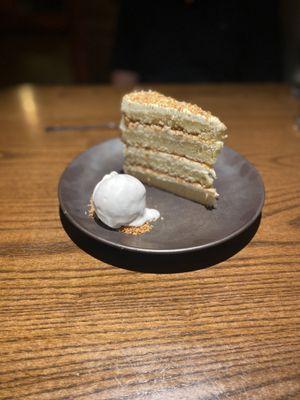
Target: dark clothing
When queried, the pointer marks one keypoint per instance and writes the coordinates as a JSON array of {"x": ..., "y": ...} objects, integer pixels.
[{"x": 225, "y": 40}]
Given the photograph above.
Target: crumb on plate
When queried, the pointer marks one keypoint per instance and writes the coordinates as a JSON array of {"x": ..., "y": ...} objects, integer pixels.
[
  {"x": 91, "y": 208},
  {"x": 136, "y": 230}
]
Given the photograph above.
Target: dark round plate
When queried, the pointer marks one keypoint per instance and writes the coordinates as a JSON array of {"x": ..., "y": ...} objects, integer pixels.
[{"x": 185, "y": 225}]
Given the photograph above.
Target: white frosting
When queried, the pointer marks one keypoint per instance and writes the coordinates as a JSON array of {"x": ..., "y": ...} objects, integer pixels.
[{"x": 120, "y": 199}]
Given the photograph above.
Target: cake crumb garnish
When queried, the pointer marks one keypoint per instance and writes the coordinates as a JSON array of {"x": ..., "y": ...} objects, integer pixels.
[
  {"x": 136, "y": 230},
  {"x": 154, "y": 98},
  {"x": 91, "y": 208}
]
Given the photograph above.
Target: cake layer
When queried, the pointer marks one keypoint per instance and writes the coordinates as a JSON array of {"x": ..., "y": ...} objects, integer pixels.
[
  {"x": 207, "y": 137},
  {"x": 192, "y": 191},
  {"x": 170, "y": 141},
  {"x": 169, "y": 164},
  {"x": 151, "y": 107}
]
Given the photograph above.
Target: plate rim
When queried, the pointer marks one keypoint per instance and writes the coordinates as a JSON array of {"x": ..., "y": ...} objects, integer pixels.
[{"x": 159, "y": 251}]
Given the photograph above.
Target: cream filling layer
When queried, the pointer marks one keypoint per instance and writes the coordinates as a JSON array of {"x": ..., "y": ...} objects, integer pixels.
[
  {"x": 170, "y": 164},
  {"x": 192, "y": 191},
  {"x": 204, "y": 135},
  {"x": 174, "y": 142}
]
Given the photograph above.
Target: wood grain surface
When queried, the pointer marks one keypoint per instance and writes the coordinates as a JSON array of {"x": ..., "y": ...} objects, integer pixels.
[{"x": 72, "y": 327}]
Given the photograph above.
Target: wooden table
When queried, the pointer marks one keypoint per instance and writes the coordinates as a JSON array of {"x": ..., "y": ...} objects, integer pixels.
[{"x": 72, "y": 327}]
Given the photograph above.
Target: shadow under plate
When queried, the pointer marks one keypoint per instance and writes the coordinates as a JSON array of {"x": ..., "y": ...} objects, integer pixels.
[{"x": 159, "y": 263}]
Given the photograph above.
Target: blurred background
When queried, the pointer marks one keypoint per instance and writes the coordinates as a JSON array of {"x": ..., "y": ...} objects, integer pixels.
[{"x": 129, "y": 41}]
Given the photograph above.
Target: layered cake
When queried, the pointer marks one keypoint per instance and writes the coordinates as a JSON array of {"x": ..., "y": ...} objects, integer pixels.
[{"x": 172, "y": 145}]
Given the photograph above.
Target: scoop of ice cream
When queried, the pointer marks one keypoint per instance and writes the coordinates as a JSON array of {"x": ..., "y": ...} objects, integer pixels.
[{"x": 120, "y": 199}]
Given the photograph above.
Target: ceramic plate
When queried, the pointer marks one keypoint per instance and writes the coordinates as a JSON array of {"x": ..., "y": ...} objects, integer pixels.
[{"x": 186, "y": 226}]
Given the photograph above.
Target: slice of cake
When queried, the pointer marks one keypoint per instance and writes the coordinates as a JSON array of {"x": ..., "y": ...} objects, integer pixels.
[{"x": 171, "y": 144}]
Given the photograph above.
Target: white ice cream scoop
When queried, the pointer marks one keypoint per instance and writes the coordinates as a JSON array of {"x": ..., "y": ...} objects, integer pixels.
[{"x": 120, "y": 200}]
